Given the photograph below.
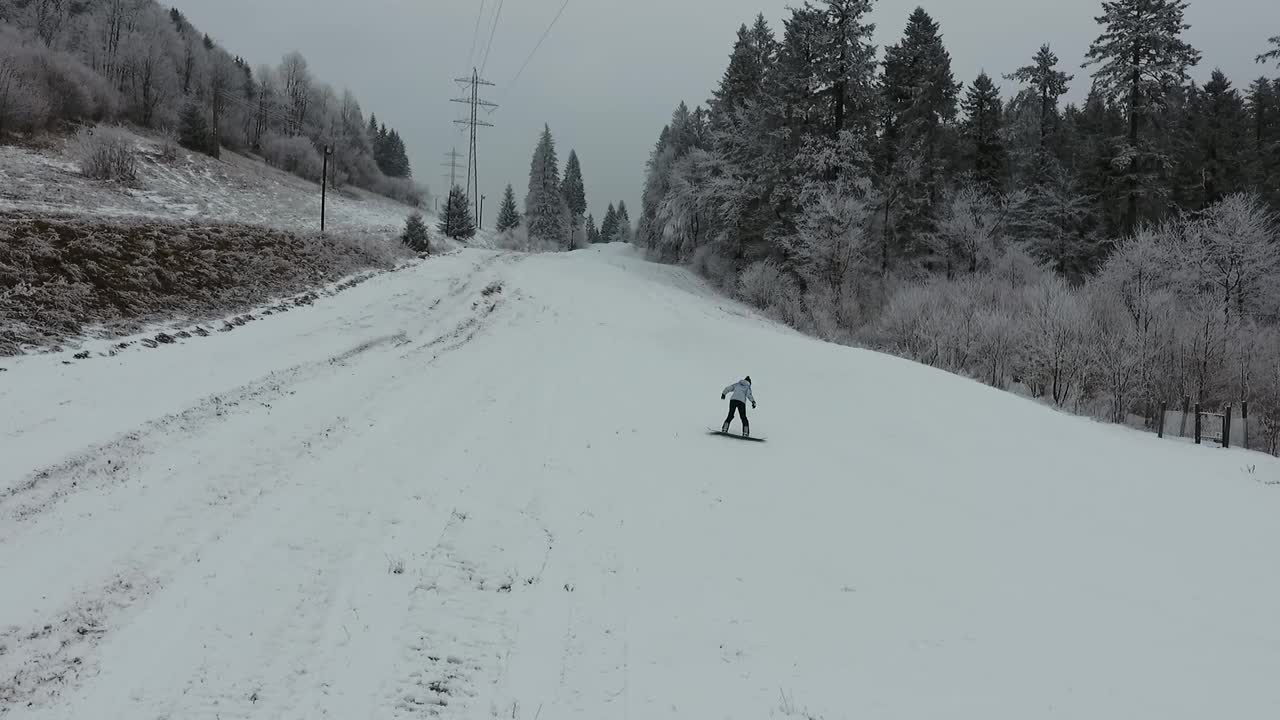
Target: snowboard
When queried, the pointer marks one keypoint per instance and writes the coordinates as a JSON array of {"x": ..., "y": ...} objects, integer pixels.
[{"x": 735, "y": 435}]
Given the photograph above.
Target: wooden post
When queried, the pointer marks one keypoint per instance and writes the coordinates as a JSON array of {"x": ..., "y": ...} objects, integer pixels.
[
  {"x": 1244, "y": 423},
  {"x": 1197, "y": 423},
  {"x": 1163, "y": 407},
  {"x": 1226, "y": 428}
]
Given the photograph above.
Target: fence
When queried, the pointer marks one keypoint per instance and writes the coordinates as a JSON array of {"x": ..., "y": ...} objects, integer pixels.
[{"x": 1223, "y": 427}]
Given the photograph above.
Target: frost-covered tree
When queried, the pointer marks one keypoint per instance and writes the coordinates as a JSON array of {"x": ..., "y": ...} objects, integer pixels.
[
  {"x": 622, "y": 229},
  {"x": 984, "y": 146},
  {"x": 1272, "y": 54},
  {"x": 456, "y": 222},
  {"x": 609, "y": 226},
  {"x": 415, "y": 234},
  {"x": 575, "y": 194},
  {"x": 1142, "y": 61},
  {"x": 1216, "y": 136},
  {"x": 919, "y": 96},
  {"x": 508, "y": 215},
  {"x": 193, "y": 129},
  {"x": 593, "y": 232},
  {"x": 1054, "y": 218},
  {"x": 1048, "y": 84},
  {"x": 971, "y": 231},
  {"x": 545, "y": 211}
]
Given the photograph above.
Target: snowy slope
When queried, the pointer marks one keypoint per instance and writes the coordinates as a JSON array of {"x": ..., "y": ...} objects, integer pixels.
[
  {"x": 233, "y": 189},
  {"x": 211, "y": 529}
]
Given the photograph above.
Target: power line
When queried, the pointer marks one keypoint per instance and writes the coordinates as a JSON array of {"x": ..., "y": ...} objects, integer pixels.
[
  {"x": 547, "y": 32},
  {"x": 497, "y": 17},
  {"x": 475, "y": 34}
]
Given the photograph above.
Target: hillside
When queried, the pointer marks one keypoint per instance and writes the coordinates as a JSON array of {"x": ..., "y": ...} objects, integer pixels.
[
  {"x": 483, "y": 487},
  {"x": 189, "y": 187}
]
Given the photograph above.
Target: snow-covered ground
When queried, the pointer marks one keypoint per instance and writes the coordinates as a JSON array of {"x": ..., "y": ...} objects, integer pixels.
[
  {"x": 233, "y": 189},
  {"x": 483, "y": 487}
]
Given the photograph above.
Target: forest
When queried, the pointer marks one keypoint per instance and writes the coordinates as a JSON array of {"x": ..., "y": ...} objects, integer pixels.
[
  {"x": 1104, "y": 257},
  {"x": 69, "y": 63}
]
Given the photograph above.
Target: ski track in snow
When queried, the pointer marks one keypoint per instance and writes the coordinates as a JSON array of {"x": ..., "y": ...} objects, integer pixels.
[{"x": 461, "y": 491}]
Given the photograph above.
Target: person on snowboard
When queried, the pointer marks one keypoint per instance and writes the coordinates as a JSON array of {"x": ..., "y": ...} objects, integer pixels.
[{"x": 741, "y": 392}]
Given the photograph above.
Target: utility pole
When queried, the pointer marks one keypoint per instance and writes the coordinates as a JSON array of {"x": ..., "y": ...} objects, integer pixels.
[
  {"x": 480, "y": 217},
  {"x": 324, "y": 185},
  {"x": 474, "y": 103}
]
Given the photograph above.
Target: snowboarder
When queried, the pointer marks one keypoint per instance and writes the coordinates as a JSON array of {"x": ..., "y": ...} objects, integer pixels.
[{"x": 741, "y": 392}]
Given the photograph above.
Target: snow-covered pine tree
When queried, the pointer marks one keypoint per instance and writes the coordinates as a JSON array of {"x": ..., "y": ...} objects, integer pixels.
[
  {"x": 984, "y": 148},
  {"x": 1142, "y": 61},
  {"x": 456, "y": 222},
  {"x": 1216, "y": 143},
  {"x": 545, "y": 212},
  {"x": 1049, "y": 84},
  {"x": 593, "y": 232},
  {"x": 609, "y": 226},
  {"x": 1272, "y": 54},
  {"x": 193, "y": 129},
  {"x": 919, "y": 94},
  {"x": 508, "y": 215},
  {"x": 415, "y": 234},
  {"x": 622, "y": 229},
  {"x": 575, "y": 193}
]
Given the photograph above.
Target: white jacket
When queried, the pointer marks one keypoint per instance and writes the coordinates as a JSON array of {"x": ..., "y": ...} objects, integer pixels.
[{"x": 741, "y": 391}]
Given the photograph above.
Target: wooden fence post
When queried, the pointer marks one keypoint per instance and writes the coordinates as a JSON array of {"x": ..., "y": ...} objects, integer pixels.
[
  {"x": 1163, "y": 406},
  {"x": 1226, "y": 428},
  {"x": 1197, "y": 423},
  {"x": 1244, "y": 422}
]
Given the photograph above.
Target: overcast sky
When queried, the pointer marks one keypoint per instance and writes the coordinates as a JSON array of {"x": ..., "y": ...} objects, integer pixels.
[{"x": 611, "y": 71}]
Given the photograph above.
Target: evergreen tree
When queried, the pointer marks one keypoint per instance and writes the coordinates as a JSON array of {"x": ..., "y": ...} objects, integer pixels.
[
  {"x": 1049, "y": 84},
  {"x": 193, "y": 129},
  {"x": 1054, "y": 218},
  {"x": 456, "y": 222},
  {"x": 382, "y": 150},
  {"x": 1141, "y": 60},
  {"x": 593, "y": 232},
  {"x": 1264, "y": 139},
  {"x": 609, "y": 227},
  {"x": 575, "y": 194},
  {"x": 508, "y": 215},
  {"x": 1272, "y": 54},
  {"x": 415, "y": 234},
  {"x": 546, "y": 214},
  {"x": 985, "y": 154},
  {"x": 622, "y": 227},
  {"x": 919, "y": 102},
  {"x": 1218, "y": 137}
]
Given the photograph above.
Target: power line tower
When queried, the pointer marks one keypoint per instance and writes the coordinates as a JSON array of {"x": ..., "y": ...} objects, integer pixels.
[
  {"x": 452, "y": 157},
  {"x": 474, "y": 103}
]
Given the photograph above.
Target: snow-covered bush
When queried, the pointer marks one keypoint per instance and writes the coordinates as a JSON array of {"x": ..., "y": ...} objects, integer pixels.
[
  {"x": 106, "y": 153},
  {"x": 295, "y": 155},
  {"x": 403, "y": 189},
  {"x": 711, "y": 264}
]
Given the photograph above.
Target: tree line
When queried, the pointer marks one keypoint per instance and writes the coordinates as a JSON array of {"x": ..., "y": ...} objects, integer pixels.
[
  {"x": 67, "y": 62},
  {"x": 555, "y": 208},
  {"x": 1106, "y": 256}
]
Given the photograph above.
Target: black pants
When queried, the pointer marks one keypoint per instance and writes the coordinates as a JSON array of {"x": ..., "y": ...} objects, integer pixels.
[{"x": 741, "y": 408}]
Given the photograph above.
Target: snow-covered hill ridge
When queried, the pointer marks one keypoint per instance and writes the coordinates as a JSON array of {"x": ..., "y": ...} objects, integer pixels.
[
  {"x": 189, "y": 187},
  {"x": 483, "y": 487}
]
